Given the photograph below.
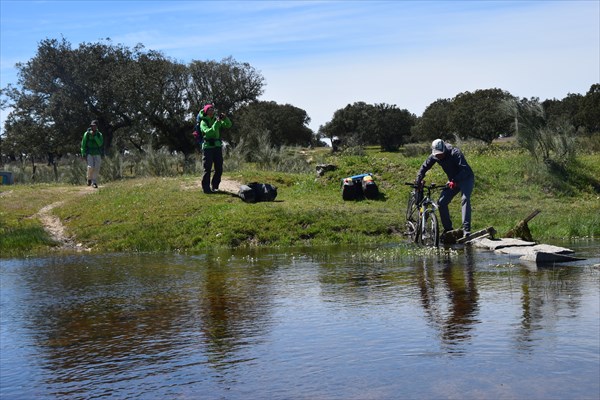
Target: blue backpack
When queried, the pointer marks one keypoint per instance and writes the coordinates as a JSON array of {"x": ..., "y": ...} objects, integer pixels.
[{"x": 198, "y": 136}]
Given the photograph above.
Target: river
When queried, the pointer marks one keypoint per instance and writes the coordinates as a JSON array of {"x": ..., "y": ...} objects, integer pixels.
[{"x": 312, "y": 323}]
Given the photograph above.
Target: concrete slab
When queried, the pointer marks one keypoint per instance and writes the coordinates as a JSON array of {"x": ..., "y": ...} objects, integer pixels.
[
  {"x": 494, "y": 244},
  {"x": 541, "y": 257},
  {"x": 538, "y": 248},
  {"x": 527, "y": 251}
]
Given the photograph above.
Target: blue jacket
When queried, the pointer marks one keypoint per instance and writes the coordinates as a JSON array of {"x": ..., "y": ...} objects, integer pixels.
[{"x": 454, "y": 165}]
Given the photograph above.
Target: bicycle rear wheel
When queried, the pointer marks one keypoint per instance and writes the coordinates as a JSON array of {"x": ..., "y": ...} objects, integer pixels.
[
  {"x": 411, "y": 230},
  {"x": 412, "y": 210},
  {"x": 412, "y": 216},
  {"x": 430, "y": 236}
]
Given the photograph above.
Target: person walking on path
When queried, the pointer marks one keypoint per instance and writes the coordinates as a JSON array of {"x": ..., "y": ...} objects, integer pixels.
[
  {"x": 92, "y": 148},
  {"x": 460, "y": 179},
  {"x": 212, "y": 151}
]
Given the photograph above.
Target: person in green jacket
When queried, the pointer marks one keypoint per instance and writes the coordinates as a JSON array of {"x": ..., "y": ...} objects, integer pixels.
[
  {"x": 212, "y": 151},
  {"x": 91, "y": 148}
]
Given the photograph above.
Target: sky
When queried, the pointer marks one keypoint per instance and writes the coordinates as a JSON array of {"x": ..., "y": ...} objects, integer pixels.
[{"x": 323, "y": 55}]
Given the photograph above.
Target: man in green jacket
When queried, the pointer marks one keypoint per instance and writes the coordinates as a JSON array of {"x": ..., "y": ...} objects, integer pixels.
[
  {"x": 91, "y": 148},
  {"x": 212, "y": 152}
]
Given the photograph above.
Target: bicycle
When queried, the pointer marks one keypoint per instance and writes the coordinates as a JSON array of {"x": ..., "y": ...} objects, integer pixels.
[{"x": 421, "y": 220}]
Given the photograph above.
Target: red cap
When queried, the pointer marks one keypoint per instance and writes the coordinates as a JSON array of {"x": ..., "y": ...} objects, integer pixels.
[{"x": 206, "y": 108}]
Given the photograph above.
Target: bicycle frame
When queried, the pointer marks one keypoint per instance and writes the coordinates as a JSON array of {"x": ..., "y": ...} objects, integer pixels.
[{"x": 426, "y": 230}]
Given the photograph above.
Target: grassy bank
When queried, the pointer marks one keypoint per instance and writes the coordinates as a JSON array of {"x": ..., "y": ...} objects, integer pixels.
[{"x": 171, "y": 214}]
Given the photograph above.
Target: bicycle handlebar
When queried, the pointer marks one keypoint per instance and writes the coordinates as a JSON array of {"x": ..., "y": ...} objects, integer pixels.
[{"x": 431, "y": 185}]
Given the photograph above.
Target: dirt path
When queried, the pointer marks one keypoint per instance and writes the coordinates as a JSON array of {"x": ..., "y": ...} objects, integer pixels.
[
  {"x": 53, "y": 225},
  {"x": 227, "y": 185},
  {"x": 55, "y": 228}
]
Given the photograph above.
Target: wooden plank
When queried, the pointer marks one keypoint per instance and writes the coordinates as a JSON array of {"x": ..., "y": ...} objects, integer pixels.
[
  {"x": 530, "y": 216},
  {"x": 489, "y": 231}
]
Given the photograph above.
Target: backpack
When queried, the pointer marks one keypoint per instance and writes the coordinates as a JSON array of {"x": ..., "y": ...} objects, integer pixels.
[
  {"x": 350, "y": 189},
  {"x": 369, "y": 188},
  {"x": 255, "y": 192},
  {"x": 358, "y": 187},
  {"x": 198, "y": 135},
  {"x": 247, "y": 194}
]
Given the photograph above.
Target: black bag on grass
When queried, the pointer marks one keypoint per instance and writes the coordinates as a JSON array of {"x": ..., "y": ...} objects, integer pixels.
[
  {"x": 351, "y": 190},
  {"x": 247, "y": 194},
  {"x": 255, "y": 192},
  {"x": 369, "y": 188},
  {"x": 358, "y": 187}
]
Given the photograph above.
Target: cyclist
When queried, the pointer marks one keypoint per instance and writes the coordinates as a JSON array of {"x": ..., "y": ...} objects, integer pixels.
[{"x": 460, "y": 179}]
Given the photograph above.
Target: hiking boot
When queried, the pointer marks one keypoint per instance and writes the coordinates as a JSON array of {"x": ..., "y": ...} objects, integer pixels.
[
  {"x": 94, "y": 185},
  {"x": 89, "y": 182},
  {"x": 466, "y": 234}
]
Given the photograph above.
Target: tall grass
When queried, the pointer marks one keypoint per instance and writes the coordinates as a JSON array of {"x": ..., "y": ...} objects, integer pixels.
[
  {"x": 143, "y": 212},
  {"x": 161, "y": 163}
]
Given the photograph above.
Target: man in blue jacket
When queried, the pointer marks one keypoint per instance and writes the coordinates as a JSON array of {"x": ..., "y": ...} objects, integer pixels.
[{"x": 460, "y": 179}]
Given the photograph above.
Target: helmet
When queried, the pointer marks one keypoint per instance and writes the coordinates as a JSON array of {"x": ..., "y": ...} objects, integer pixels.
[{"x": 437, "y": 147}]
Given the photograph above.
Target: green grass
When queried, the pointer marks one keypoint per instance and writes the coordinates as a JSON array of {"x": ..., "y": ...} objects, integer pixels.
[{"x": 172, "y": 215}]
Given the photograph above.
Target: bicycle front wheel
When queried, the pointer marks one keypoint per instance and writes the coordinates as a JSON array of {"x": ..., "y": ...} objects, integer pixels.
[
  {"x": 429, "y": 235},
  {"x": 412, "y": 211}
]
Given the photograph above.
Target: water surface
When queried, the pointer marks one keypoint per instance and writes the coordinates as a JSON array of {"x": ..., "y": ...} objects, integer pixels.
[{"x": 330, "y": 323}]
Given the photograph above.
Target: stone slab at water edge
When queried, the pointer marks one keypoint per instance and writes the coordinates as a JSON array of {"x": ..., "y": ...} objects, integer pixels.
[{"x": 528, "y": 251}]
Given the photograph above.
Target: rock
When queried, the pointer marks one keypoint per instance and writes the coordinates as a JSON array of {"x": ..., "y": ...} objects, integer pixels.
[
  {"x": 527, "y": 251},
  {"x": 322, "y": 168},
  {"x": 501, "y": 243}
]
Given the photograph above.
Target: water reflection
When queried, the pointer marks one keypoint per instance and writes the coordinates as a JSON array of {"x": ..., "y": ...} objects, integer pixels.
[
  {"x": 233, "y": 309},
  {"x": 546, "y": 295},
  {"x": 453, "y": 313},
  {"x": 105, "y": 319},
  {"x": 337, "y": 323}
]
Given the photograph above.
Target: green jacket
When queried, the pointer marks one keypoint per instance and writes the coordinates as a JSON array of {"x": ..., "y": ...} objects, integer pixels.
[
  {"x": 211, "y": 130},
  {"x": 92, "y": 144}
]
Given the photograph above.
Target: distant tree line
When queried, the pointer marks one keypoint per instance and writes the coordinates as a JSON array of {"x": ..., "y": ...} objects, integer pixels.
[
  {"x": 142, "y": 98},
  {"x": 482, "y": 115}
]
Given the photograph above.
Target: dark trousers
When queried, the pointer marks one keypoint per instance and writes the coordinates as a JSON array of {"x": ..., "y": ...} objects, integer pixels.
[
  {"x": 466, "y": 188},
  {"x": 210, "y": 157}
]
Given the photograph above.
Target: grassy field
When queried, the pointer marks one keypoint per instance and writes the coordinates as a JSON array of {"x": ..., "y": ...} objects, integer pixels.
[{"x": 172, "y": 214}]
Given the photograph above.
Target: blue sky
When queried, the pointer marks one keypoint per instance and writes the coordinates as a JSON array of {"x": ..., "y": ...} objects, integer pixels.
[{"x": 322, "y": 55}]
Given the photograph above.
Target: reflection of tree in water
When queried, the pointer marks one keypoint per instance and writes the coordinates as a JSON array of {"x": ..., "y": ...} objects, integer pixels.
[
  {"x": 96, "y": 322},
  {"x": 233, "y": 312},
  {"x": 456, "y": 318},
  {"x": 545, "y": 293}
]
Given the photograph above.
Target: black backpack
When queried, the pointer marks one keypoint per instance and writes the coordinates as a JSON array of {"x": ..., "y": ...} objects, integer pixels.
[
  {"x": 351, "y": 190},
  {"x": 369, "y": 188},
  {"x": 255, "y": 192}
]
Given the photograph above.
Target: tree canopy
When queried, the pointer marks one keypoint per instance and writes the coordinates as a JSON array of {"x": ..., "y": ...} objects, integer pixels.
[
  {"x": 285, "y": 124},
  {"x": 370, "y": 124},
  {"x": 143, "y": 98},
  {"x": 138, "y": 97}
]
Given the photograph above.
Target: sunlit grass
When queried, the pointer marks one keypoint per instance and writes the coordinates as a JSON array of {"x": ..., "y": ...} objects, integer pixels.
[{"x": 171, "y": 214}]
